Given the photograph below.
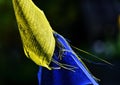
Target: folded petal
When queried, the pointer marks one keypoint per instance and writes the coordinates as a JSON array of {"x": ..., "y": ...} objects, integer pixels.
[{"x": 71, "y": 70}]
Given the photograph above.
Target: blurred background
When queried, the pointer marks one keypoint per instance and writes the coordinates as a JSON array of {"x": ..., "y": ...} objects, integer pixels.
[{"x": 93, "y": 26}]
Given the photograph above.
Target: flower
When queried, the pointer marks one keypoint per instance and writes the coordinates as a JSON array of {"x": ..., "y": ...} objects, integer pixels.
[{"x": 63, "y": 67}]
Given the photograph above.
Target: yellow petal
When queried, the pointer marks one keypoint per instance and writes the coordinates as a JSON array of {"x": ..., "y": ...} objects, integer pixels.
[{"x": 36, "y": 32}]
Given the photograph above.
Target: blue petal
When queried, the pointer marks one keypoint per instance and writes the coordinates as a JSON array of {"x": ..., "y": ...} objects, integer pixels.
[{"x": 79, "y": 75}]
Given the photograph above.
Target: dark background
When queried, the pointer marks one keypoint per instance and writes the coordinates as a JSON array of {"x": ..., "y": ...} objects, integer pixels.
[{"x": 91, "y": 25}]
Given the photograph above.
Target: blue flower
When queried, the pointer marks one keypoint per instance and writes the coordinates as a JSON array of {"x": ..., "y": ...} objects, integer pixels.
[{"x": 68, "y": 69}]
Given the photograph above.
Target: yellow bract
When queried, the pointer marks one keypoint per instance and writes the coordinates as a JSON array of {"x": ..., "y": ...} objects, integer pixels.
[{"x": 36, "y": 32}]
